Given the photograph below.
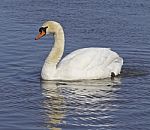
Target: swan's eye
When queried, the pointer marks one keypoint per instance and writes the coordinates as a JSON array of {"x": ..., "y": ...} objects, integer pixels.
[{"x": 43, "y": 29}]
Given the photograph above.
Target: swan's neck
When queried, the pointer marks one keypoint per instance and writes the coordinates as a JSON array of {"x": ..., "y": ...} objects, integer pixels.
[{"x": 58, "y": 48}]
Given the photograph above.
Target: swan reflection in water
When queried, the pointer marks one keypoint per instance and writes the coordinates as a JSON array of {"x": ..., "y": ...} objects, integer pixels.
[
  {"x": 54, "y": 104},
  {"x": 69, "y": 104}
]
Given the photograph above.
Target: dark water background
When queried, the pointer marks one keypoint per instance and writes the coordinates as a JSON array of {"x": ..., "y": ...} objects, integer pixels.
[{"x": 26, "y": 103}]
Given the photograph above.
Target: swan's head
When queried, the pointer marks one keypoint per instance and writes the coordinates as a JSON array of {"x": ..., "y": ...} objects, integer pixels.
[{"x": 47, "y": 28}]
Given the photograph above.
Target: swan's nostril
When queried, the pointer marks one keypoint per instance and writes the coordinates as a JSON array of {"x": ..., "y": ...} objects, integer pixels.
[{"x": 41, "y": 34}]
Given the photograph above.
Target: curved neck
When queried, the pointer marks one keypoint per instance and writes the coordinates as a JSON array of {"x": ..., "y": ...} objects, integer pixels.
[{"x": 58, "y": 48}]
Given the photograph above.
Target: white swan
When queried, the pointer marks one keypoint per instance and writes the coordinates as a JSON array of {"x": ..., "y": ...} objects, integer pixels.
[{"x": 86, "y": 63}]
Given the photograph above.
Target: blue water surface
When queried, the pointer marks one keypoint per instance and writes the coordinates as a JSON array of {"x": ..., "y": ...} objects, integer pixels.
[{"x": 28, "y": 103}]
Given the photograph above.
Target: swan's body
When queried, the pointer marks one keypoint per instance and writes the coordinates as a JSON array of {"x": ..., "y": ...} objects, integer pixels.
[{"x": 86, "y": 63}]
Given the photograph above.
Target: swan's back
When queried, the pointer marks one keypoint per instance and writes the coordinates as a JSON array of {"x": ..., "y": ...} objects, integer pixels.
[{"x": 90, "y": 63}]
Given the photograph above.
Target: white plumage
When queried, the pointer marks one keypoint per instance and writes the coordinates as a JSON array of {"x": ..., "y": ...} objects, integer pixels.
[{"x": 86, "y": 63}]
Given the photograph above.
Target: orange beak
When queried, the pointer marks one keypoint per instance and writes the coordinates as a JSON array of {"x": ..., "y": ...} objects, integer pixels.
[{"x": 41, "y": 34}]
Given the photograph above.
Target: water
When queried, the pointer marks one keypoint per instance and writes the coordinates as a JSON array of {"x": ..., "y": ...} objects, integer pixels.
[{"x": 27, "y": 103}]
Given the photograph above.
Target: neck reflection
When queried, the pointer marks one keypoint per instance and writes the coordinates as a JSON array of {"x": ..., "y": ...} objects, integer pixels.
[{"x": 53, "y": 104}]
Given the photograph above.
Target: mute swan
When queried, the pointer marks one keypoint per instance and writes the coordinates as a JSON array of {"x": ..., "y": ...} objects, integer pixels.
[{"x": 86, "y": 63}]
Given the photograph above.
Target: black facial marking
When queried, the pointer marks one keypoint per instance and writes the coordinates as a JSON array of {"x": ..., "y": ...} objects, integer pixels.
[{"x": 43, "y": 29}]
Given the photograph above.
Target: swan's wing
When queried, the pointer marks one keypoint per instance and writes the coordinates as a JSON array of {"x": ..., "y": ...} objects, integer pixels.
[
  {"x": 89, "y": 61},
  {"x": 76, "y": 53},
  {"x": 81, "y": 58},
  {"x": 109, "y": 62}
]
